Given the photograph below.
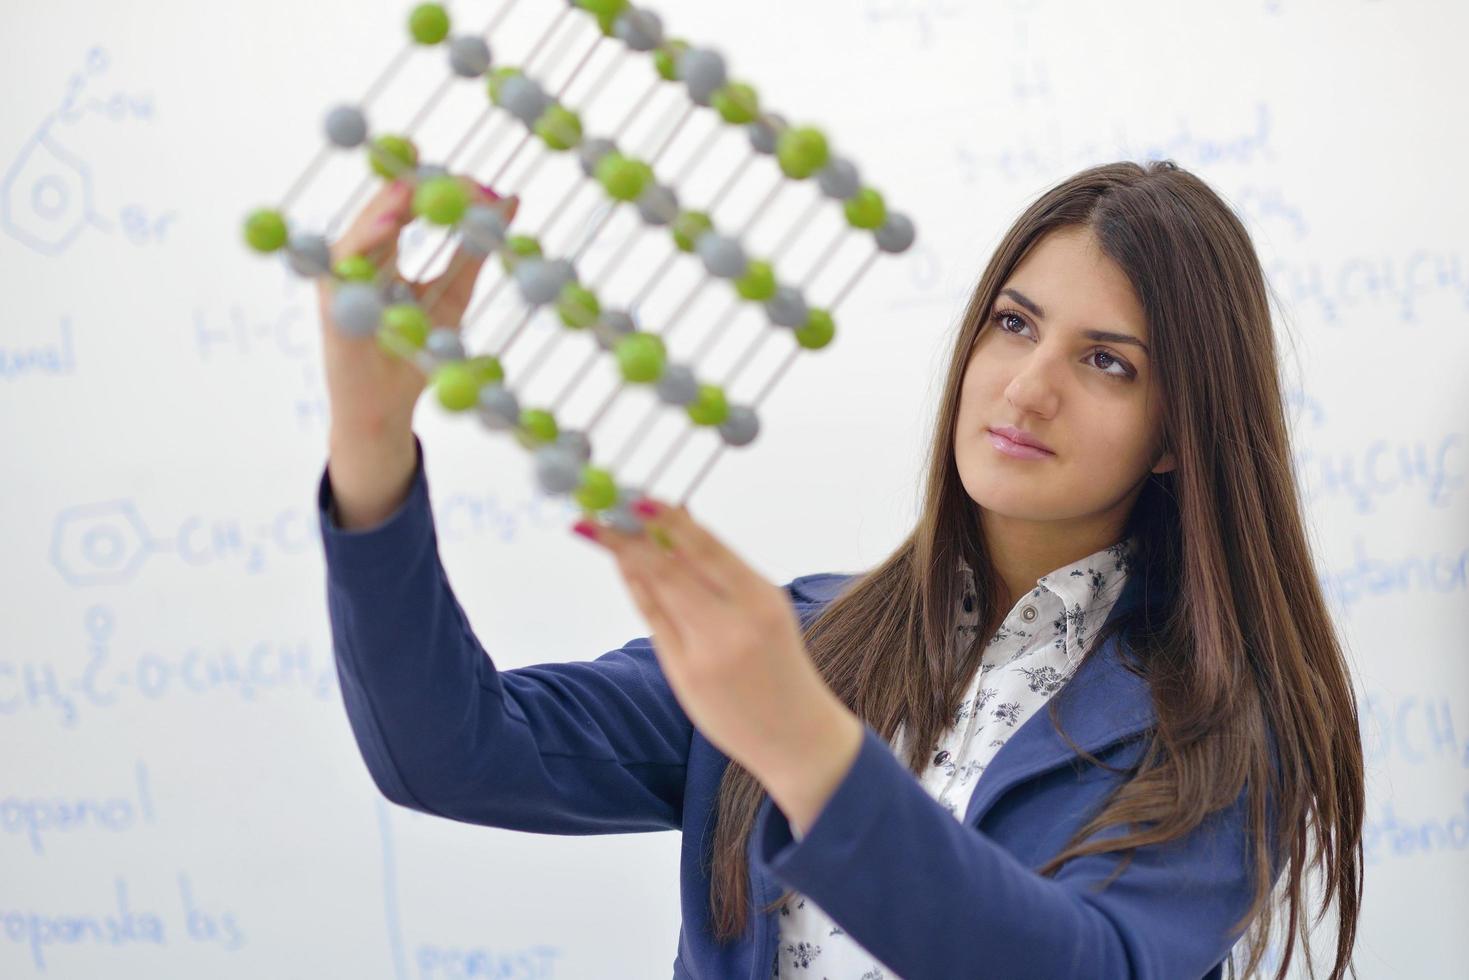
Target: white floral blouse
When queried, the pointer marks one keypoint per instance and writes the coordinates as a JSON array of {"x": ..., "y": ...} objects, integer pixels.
[{"x": 1031, "y": 655}]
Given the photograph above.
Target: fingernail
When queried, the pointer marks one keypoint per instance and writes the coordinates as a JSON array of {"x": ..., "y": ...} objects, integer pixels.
[
  {"x": 586, "y": 529},
  {"x": 489, "y": 191},
  {"x": 645, "y": 507}
]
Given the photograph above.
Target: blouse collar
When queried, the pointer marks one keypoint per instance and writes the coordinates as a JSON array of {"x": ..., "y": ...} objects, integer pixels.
[{"x": 1066, "y": 602}]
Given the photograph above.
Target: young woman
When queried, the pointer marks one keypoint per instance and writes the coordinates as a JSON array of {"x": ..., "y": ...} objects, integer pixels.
[{"x": 1081, "y": 722}]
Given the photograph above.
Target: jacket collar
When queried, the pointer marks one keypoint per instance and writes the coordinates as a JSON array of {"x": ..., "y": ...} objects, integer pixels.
[{"x": 1102, "y": 703}]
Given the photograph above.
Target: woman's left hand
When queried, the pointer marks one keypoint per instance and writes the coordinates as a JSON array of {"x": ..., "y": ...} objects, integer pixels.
[{"x": 729, "y": 643}]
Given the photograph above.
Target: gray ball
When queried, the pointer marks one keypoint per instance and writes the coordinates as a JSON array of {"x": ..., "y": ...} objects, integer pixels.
[
  {"x": 557, "y": 469},
  {"x": 703, "y": 71},
  {"x": 765, "y": 132},
  {"x": 896, "y": 233},
  {"x": 576, "y": 441},
  {"x": 523, "y": 98},
  {"x": 722, "y": 255},
  {"x": 641, "y": 30},
  {"x": 357, "y": 309},
  {"x": 541, "y": 280},
  {"x": 482, "y": 230},
  {"x": 400, "y": 292},
  {"x": 346, "y": 126},
  {"x": 591, "y": 152},
  {"x": 658, "y": 204},
  {"x": 678, "y": 385},
  {"x": 741, "y": 427},
  {"x": 787, "y": 308},
  {"x": 444, "y": 344},
  {"x": 611, "y": 327},
  {"x": 308, "y": 255},
  {"x": 498, "y": 407},
  {"x": 623, "y": 519},
  {"x": 469, "y": 56},
  {"x": 839, "y": 179},
  {"x": 428, "y": 171},
  {"x": 621, "y": 515}
]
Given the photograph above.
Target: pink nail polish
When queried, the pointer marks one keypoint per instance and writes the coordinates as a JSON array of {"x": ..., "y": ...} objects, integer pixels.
[
  {"x": 586, "y": 529},
  {"x": 645, "y": 507}
]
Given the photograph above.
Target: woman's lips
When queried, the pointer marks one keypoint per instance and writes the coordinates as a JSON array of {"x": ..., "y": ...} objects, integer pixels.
[{"x": 1014, "y": 449}]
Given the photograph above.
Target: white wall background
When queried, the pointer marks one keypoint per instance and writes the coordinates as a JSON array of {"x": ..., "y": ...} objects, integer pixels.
[{"x": 180, "y": 794}]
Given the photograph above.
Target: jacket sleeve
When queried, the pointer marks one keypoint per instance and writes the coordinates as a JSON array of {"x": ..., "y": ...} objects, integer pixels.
[
  {"x": 594, "y": 747},
  {"x": 926, "y": 894}
]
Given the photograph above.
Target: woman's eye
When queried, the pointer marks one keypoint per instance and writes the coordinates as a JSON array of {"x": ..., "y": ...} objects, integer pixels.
[
  {"x": 1003, "y": 317},
  {"x": 1113, "y": 361}
]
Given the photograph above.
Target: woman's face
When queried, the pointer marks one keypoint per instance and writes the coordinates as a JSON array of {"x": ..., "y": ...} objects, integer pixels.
[{"x": 1094, "y": 402}]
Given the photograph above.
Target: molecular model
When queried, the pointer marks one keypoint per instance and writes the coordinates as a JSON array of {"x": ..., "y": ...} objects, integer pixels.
[{"x": 370, "y": 301}]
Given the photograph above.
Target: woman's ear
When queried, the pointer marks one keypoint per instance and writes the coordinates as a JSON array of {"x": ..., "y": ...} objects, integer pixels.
[{"x": 1165, "y": 463}]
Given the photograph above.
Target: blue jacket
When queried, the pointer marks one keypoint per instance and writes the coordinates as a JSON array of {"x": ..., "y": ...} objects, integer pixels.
[{"x": 603, "y": 747}]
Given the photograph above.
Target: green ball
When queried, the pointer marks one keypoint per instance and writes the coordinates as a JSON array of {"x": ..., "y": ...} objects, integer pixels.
[
  {"x": 428, "y": 23},
  {"x": 866, "y": 209},
  {"x": 392, "y": 156},
  {"x": 356, "y": 268},
  {"x": 487, "y": 369},
  {"x": 689, "y": 227},
  {"x": 623, "y": 177},
  {"x": 265, "y": 230},
  {"x": 518, "y": 247},
  {"x": 603, "y": 8},
  {"x": 709, "y": 408},
  {"x": 818, "y": 331},
  {"x": 456, "y": 385},
  {"x": 537, "y": 428},
  {"x": 404, "y": 329},
  {"x": 640, "y": 357},
  {"x": 577, "y": 306},
  {"x": 736, "y": 102},
  {"x": 559, "y": 127},
  {"x": 758, "y": 282},
  {"x": 597, "y": 490},
  {"x": 665, "y": 59},
  {"x": 442, "y": 200},
  {"x": 497, "y": 78},
  {"x": 801, "y": 152}
]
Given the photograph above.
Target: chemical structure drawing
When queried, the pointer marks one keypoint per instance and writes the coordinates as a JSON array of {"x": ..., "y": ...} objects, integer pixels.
[{"x": 48, "y": 195}]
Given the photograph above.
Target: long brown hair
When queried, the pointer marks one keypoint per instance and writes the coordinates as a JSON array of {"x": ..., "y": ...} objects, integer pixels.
[{"x": 1244, "y": 651}]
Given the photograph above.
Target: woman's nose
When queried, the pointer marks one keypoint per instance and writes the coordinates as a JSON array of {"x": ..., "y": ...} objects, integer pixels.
[{"x": 1034, "y": 385}]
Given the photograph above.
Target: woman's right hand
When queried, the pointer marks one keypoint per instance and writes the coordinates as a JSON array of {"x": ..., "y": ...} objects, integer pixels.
[{"x": 371, "y": 392}]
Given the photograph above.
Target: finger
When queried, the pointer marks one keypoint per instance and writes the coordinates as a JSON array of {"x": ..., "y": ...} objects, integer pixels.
[
  {"x": 374, "y": 232},
  {"x": 675, "y": 545},
  {"x": 452, "y": 290},
  {"x": 449, "y": 293},
  {"x": 700, "y": 548},
  {"x": 682, "y": 590},
  {"x": 666, "y": 636}
]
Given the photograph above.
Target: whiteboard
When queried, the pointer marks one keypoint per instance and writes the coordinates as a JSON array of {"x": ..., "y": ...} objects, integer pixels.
[{"x": 181, "y": 792}]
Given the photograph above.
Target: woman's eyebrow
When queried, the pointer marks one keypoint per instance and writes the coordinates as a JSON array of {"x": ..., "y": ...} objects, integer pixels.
[{"x": 1102, "y": 335}]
